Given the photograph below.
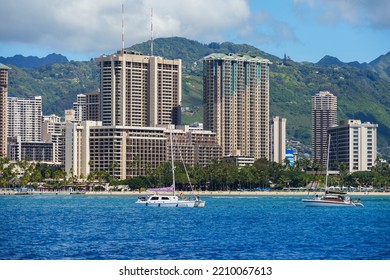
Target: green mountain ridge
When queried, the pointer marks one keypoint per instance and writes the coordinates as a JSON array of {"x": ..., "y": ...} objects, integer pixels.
[
  {"x": 33, "y": 61},
  {"x": 380, "y": 65},
  {"x": 363, "y": 90}
]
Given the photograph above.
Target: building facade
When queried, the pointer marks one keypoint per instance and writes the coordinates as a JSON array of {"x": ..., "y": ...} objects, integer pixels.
[
  {"x": 3, "y": 109},
  {"x": 353, "y": 143},
  {"x": 278, "y": 140},
  {"x": 87, "y": 107},
  {"x": 80, "y": 107},
  {"x": 25, "y": 118},
  {"x": 236, "y": 103},
  {"x": 126, "y": 152},
  {"x": 324, "y": 115},
  {"x": 92, "y": 110},
  {"x": 42, "y": 152},
  {"x": 53, "y": 131},
  {"x": 138, "y": 90}
]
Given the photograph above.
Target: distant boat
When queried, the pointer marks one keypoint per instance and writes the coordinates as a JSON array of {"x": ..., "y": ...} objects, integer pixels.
[
  {"x": 22, "y": 193},
  {"x": 331, "y": 198},
  {"x": 170, "y": 200},
  {"x": 78, "y": 192}
]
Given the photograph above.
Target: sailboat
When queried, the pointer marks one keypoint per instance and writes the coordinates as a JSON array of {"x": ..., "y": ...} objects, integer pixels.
[
  {"x": 331, "y": 198},
  {"x": 170, "y": 200}
]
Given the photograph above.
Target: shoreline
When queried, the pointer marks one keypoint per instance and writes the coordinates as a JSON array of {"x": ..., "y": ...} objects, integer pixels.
[{"x": 201, "y": 193}]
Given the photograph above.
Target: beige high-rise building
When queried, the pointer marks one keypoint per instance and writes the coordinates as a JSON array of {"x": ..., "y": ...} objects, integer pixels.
[
  {"x": 236, "y": 103},
  {"x": 324, "y": 115},
  {"x": 138, "y": 90},
  {"x": 353, "y": 143},
  {"x": 3, "y": 109}
]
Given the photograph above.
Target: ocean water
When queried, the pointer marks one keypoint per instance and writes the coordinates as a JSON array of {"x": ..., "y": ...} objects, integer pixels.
[{"x": 109, "y": 227}]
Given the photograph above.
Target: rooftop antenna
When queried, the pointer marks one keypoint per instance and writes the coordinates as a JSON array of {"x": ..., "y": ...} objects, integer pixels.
[
  {"x": 123, "y": 30},
  {"x": 151, "y": 32}
]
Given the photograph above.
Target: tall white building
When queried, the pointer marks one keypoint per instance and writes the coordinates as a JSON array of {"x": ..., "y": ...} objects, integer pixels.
[
  {"x": 353, "y": 143},
  {"x": 278, "y": 140},
  {"x": 80, "y": 107},
  {"x": 25, "y": 118},
  {"x": 77, "y": 149}
]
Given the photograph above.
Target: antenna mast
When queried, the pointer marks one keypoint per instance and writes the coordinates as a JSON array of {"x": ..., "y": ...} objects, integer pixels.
[
  {"x": 151, "y": 32},
  {"x": 123, "y": 30}
]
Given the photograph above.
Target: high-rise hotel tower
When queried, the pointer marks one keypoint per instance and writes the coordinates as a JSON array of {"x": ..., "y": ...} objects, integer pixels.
[
  {"x": 324, "y": 115},
  {"x": 3, "y": 109},
  {"x": 354, "y": 143},
  {"x": 236, "y": 103},
  {"x": 25, "y": 118},
  {"x": 138, "y": 90}
]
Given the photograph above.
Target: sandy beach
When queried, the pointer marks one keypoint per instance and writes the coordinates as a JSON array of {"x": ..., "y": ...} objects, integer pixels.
[{"x": 206, "y": 193}]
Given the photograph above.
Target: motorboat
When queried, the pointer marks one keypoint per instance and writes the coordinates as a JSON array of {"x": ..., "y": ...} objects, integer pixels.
[{"x": 335, "y": 199}]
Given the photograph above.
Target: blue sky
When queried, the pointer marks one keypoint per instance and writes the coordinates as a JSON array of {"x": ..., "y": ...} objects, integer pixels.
[{"x": 305, "y": 30}]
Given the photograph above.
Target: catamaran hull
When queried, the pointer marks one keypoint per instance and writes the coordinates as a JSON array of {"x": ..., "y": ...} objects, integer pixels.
[
  {"x": 319, "y": 203},
  {"x": 196, "y": 204}
]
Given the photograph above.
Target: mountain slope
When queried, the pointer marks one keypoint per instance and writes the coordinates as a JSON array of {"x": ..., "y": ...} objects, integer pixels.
[
  {"x": 58, "y": 84},
  {"x": 380, "y": 65},
  {"x": 21, "y": 61},
  {"x": 191, "y": 52}
]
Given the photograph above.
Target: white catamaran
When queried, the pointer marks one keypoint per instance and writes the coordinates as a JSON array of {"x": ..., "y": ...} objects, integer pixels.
[{"x": 170, "y": 200}]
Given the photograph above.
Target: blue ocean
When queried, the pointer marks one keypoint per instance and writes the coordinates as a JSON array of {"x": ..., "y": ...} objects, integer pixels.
[{"x": 113, "y": 227}]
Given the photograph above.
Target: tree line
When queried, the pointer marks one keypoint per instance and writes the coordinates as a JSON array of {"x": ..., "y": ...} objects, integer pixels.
[{"x": 216, "y": 176}]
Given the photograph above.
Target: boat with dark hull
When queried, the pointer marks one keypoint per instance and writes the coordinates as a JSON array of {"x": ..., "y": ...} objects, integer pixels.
[{"x": 332, "y": 199}]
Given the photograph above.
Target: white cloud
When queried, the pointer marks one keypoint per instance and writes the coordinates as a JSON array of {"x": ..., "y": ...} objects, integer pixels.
[
  {"x": 95, "y": 25},
  {"x": 372, "y": 13}
]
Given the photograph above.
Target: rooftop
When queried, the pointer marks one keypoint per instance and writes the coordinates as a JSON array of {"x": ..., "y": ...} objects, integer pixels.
[
  {"x": 2, "y": 66},
  {"x": 234, "y": 56}
]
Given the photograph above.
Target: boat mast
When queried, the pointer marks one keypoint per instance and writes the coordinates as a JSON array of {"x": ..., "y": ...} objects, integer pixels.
[
  {"x": 185, "y": 169},
  {"x": 173, "y": 165},
  {"x": 327, "y": 164}
]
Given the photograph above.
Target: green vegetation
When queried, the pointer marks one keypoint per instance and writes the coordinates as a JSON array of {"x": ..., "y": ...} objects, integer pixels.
[
  {"x": 58, "y": 84},
  {"x": 217, "y": 176}
]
